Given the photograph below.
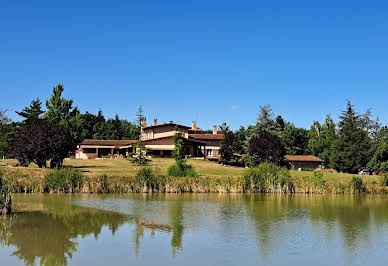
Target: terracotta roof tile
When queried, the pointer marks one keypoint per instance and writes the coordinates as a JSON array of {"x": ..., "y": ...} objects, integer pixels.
[
  {"x": 108, "y": 142},
  {"x": 207, "y": 136}
]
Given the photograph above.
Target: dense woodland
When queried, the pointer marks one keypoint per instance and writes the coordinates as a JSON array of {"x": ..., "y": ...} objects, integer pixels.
[{"x": 355, "y": 142}]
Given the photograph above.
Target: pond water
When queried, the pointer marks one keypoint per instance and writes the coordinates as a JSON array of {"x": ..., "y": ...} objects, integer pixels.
[{"x": 195, "y": 229}]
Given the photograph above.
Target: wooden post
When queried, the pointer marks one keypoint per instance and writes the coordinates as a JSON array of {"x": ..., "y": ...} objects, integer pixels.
[{"x": 96, "y": 152}]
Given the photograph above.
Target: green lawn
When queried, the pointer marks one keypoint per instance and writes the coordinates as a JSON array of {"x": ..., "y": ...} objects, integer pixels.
[{"x": 122, "y": 167}]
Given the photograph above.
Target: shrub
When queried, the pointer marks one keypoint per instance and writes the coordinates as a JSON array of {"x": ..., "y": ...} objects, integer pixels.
[
  {"x": 184, "y": 170},
  {"x": 356, "y": 184},
  {"x": 63, "y": 180}
]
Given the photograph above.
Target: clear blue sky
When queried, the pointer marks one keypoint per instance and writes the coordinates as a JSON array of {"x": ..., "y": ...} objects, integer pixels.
[{"x": 220, "y": 59}]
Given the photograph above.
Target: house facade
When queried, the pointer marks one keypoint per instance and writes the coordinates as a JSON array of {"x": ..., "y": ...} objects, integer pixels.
[
  {"x": 158, "y": 140},
  {"x": 97, "y": 148}
]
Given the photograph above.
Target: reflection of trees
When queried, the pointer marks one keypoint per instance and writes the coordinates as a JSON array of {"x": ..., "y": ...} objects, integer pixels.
[
  {"x": 174, "y": 217},
  {"x": 48, "y": 234},
  {"x": 353, "y": 216}
]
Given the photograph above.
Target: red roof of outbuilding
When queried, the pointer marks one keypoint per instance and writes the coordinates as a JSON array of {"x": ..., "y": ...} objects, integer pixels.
[{"x": 303, "y": 158}]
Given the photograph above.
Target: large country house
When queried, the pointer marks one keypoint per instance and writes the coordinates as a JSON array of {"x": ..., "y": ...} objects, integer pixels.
[{"x": 158, "y": 140}]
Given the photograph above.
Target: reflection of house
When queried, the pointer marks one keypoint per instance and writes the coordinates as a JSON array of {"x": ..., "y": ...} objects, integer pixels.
[
  {"x": 96, "y": 148},
  {"x": 158, "y": 140},
  {"x": 304, "y": 162}
]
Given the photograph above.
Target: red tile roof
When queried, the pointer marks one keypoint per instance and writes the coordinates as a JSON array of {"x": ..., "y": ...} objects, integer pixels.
[
  {"x": 196, "y": 129},
  {"x": 303, "y": 158},
  {"x": 108, "y": 142},
  {"x": 207, "y": 136}
]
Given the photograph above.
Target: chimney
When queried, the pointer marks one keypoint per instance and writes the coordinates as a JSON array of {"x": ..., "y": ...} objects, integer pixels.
[
  {"x": 143, "y": 122},
  {"x": 155, "y": 122},
  {"x": 194, "y": 125},
  {"x": 215, "y": 130}
]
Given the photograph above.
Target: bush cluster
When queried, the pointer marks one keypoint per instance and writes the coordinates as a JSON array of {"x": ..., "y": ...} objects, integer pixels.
[
  {"x": 268, "y": 177},
  {"x": 63, "y": 180},
  {"x": 181, "y": 170}
]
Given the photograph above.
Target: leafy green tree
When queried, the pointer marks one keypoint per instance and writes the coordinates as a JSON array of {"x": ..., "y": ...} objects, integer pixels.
[
  {"x": 379, "y": 161},
  {"x": 130, "y": 130},
  {"x": 99, "y": 128},
  {"x": 179, "y": 151},
  {"x": 321, "y": 138},
  {"x": 241, "y": 138},
  {"x": 350, "y": 150},
  {"x": 60, "y": 111},
  {"x": 295, "y": 140},
  {"x": 58, "y": 108},
  {"x": 89, "y": 120}
]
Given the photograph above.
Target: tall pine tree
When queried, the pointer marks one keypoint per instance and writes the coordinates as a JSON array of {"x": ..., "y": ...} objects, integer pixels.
[{"x": 350, "y": 150}]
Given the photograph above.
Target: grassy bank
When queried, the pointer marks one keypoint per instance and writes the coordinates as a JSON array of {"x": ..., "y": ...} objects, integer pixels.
[{"x": 119, "y": 176}]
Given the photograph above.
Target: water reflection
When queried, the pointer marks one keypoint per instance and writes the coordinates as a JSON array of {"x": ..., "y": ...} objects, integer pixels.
[
  {"x": 48, "y": 232},
  {"x": 221, "y": 229}
]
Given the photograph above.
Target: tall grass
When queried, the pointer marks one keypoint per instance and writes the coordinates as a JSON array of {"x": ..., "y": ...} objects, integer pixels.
[
  {"x": 63, "y": 180},
  {"x": 5, "y": 196},
  {"x": 268, "y": 178}
]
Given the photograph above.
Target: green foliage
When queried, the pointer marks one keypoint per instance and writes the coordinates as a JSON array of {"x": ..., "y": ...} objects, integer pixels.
[
  {"x": 139, "y": 157},
  {"x": 268, "y": 177},
  {"x": 179, "y": 151},
  {"x": 63, "y": 180},
  {"x": 147, "y": 180},
  {"x": 58, "y": 108},
  {"x": 379, "y": 161},
  {"x": 34, "y": 111},
  {"x": 179, "y": 171},
  {"x": 294, "y": 139},
  {"x": 356, "y": 184},
  {"x": 321, "y": 138},
  {"x": 232, "y": 146},
  {"x": 350, "y": 150}
]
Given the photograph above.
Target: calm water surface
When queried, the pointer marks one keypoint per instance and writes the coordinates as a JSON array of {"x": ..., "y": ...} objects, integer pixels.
[{"x": 196, "y": 229}]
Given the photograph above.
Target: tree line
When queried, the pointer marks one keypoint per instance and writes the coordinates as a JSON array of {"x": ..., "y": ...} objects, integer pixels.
[
  {"x": 49, "y": 135},
  {"x": 357, "y": 141}
]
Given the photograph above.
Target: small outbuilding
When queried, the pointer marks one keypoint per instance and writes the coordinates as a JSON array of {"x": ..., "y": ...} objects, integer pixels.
[{"x": 304, "y": 162}]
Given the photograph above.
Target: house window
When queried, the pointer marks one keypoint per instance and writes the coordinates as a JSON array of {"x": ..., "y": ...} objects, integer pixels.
[{"x": 209, "y": 153}]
